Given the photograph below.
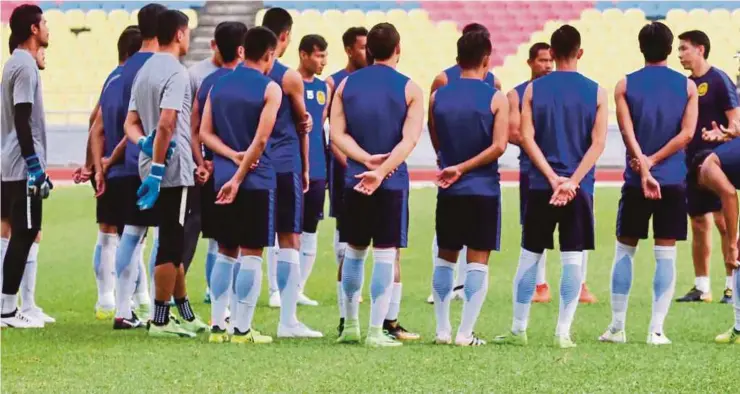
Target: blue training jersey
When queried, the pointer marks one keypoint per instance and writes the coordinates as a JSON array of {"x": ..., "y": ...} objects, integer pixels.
[
  {"x": 237, "y": 100},
  {"x": 374, "y": 100},
  {"x": 524, "y": 163},
  {"x": 717, "y": 94},
  {"x": 285, "y": 149},
  {"x": 453, "y": 74},
  {"x": 202, "y": 96},
  {"x": 128, "y": 74},
  {"x": 564, "y": 107},
  {"x": 464, "y": 125},
  {"x": 114, "y": 115},
  {"x": 314, "y": 95},
  {"x": 657, "y": 98},
  {"x": 729, "y": 157}
]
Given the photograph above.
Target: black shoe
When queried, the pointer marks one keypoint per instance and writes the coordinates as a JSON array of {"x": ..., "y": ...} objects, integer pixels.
[
  {"x": 726, "y": 297},
  {"x": 127, "y": 324},
  {"x": 340, "y": 327},
  {"x": 398, "y": 332},
  {"x": 695, "y": 295}
]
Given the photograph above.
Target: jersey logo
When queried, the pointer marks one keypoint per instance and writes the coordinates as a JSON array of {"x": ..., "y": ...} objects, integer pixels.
[
  {"x": 321, "y": 97},
  {"x": 309, "y": 94},
  {"x": 702, "y": 89}
]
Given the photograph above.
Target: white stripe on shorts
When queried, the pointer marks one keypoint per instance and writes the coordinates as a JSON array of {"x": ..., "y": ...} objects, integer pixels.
[{"x": 183, "y": 205}]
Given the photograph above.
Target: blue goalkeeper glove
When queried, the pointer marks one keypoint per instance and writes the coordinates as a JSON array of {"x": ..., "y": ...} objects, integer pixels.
[
  {"x": 149, "y": 190},
  {"x": 38, "y": 183},
  {"x": 146, "y": 144}
]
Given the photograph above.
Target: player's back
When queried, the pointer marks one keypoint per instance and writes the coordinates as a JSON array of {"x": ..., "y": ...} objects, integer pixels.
[
  {"x": 717, "y": 94},
  {"x": 128, "y": 75},
  {"x": 199, "y": 71},
  {"x": 564, "y": 107},
  {"x": 284, "y": 145},
  {"x": 374, "y": 100},
  {"x": 315, "y": 98},
  {"x": 657, "y": 97},
  {"x": 453, "y": 74},
  {"x": 114, "y": 111},
  {"x": 524, "y": 163},
  {"x": 464, "y": 125},
  {"x": 206, "y": 85},
  {"x": 237, "y": 100}
]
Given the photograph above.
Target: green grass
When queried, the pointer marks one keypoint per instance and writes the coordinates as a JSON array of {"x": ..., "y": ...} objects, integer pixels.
[{"x": 79, "y": 354}]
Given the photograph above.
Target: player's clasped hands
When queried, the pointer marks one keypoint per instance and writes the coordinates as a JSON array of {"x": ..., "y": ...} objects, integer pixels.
[
  {"x": 651, "y": 188},
  {"x": 564, "y": 191},
  {"x": 447, "y": 176}
]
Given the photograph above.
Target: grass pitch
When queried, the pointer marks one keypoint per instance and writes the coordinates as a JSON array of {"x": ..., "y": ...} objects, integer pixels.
[{"x": 79, "y": 354}]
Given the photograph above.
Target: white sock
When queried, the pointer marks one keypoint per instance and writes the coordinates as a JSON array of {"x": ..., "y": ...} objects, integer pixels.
[
  {"x": 353, "y": 272},
  {"x": 476, "y": 288},
  {"x": 289, "y": 282},
  {"x": 152, "y": 263},
  {"x": 542, "y": 269},
  {"x": 308, "y": 256},
  {"x": 222, "y": 281},
  {"x": 621, "y": 284},
  {"x": 3, "y": 249},
  {"x": 664, "y": 285},
  {"x": 248, "y": 286},
  {"x": 442, "y": 281},
  {"x": 141, "y": 293},
  {"x": 462, "y": 269},
  {"x": 339, "y": 248},
  {"x": 570, "y": 290},
  {"x": 105, "y": 269},
  {"x": 702, "y": 284},
  {"x": 28, "y": 283},
  {"x": 585, "y": 264},
  {"x": 380, "y": 285},
  {"x": 524, "y": 286},
  {"x": 271, "y": 257},
  {"x": 8, "y": 303},
  {"x": 233, "y": 299},
  {"x": 728, "y": 282},
  {"x": 126, "y": 268},
  {"x": 395, "y": 306},
  {"x": 736, "y": 297},
  {"x": 340, "y": 300}
]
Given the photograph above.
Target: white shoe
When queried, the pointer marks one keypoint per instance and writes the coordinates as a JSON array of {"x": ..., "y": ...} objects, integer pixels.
[
  {"x": 613, "y": 337},
  {"x": 19, "y": 320},
  {"x": 37, "y": 313},
  {"x": 298, "y": 330},
  {"x": 430, "y": 299},
  {"x": 443, "y": 338},
  {"x": 303, "y": 300},
  {"x": 657, "y": 339},
  {"x": 461, "y": 340},
  {"x": 274, "y": 299}
]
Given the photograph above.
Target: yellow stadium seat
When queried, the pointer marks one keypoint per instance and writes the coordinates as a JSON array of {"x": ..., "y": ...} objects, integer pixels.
[
  {"x": 119, "y": 18},
  {"x": 699, "y": 14},
  {"x": 311, "y": 16},
  {"x": 591, "y": 14},
  {"x": 634, "y": 14},
  {"x": 676, "y": 15},
  {"x": 332, "y": 15},
  {"x": 55, "y": 19},
  {"x": 372, "y": 18},
  {"x": 396, "y": 16},
  {"x": 720, "y": 15},
  {"x": 134, "y": 17},
  {"x": 612, "y": 14},
  {"x": 192, "y": 16},
  {"x": 96, "y": 18},
  {"x": 259, "y": 17},
  {"x": 75, "y": 18},
  {"x": 419, "y": 16},
  {"x": 354, "y": 17}
]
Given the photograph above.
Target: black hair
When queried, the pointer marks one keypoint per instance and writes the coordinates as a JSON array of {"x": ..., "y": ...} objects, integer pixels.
[
  {"x": 147, "y": 18},
  {"x": 129, "y": 42},
  {"x": 168, "y": 23},
  {"x": 311, "y": 42},
  {"x": 696, "y": 38},
  {"x": 257, "y": 41},
  {"x": 656, "y": 41},
  {"x": 21, "y": 20},
  {"x": 472, "y": 48},
  {"x": 382, "y": 41},
  {"x": 278, "y": 20},
  {"x": 350, "y": 36},
  {"x": 565, "y": 42},
  {"x": 475, "y": 27},
  {"x": 229, "y": 37},
  {"x": 535, "y": 49}
]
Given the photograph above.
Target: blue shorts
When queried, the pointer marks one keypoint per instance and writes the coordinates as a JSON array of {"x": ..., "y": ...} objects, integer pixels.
[
  {"x": 575, "y": 222},
  {"x": 472, "y": 221},
  {"x": 248, "y": 222},
  {"x": 668, "y": 213},
  {"x": 313, "y": 205},
  {"x": 108, "y": 206},
  {"x": 207, "y": 196},
  {"x": 523, "y": 190},
  {"x": 380, "y": 219},
  {"x": 289, "y": 202}
]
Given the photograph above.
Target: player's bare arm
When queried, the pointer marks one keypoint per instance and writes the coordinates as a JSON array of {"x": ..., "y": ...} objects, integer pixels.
[
  {"x": 211, "y": 140},
  {"x": 165, "y": 132},
  {"x": 530, "y": 146},
  {"x": 515, "y": 118},
  {"x": 194, "y": 132},
  {"x": 339, "y": 156},
  {"x": 132, "y": 127},
  {"x": 97, "y": 141},
  {"x": 338, "y": 130},
  {"x": 688, "y": 127},
  {"x": 430, "y": 124},
  {"x": 293, "y": 86},
  {"x": 713, "y": 178}
]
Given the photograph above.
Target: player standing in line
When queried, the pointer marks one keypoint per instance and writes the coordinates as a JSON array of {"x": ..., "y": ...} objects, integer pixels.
[
  {"x": 564, "y": 149},
  {"x": 24, "y": 181},
  {"x": 289, "y": 156},
  {"x": 354, "y": 41},
  {"x": 239, "y": 116},
  {"x": 107, "y": 145},
  {"x": 376, "y": 121},
  {"x": 312, "y": 53},
  {"x": 470, "y": 126},
  {"x": 160, "y": 109},
  {"x": 718, "y": 102},
  {"x": 657, "y": 111},
  {"x": 230, "y": 42}
]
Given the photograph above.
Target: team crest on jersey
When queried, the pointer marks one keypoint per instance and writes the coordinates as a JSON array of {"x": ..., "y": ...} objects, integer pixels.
[
  {"x": 702, "y": 89},
  {"x": 321, "y": 97},
  {"x": 309, "y": 94}
]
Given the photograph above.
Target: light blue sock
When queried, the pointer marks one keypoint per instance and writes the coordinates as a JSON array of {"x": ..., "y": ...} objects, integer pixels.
[
  {"x": 104, "y": 260},
  {"x": 525, "y": 283},
  {"x": 289, "y": 282},
  {"x": 353, "y": 272},
  {"x": 222, "y": 282},
  {"x": 570, "y": 289},
  {"x": 476, "y": 288},
  {"x": 152, "y": 263},
  {"x": 442, "y": 278},
  {"x": 664, "y": 285},
  {"x": 210, "y": 260},
  {"x": 126, "y": 269},
  {"x": 621, "y": 284},
  {"x": 736, "y": 297},
  {"x": 248, "y": 285},
  {"x": 380, "y": 285}
]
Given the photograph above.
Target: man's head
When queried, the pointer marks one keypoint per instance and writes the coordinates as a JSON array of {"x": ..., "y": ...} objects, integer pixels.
[
  {"x": 28, "y": 26},
  {"x": 693, "y": 49},
  {"x": 565, "y": 43},
  {"x": 279, "y": 21},
  {"x": 540, "y": 59},
  {"x": 656, "y": 41},
  {"x": 355, "y": 43},
  {"x": 475, "y": 27},
  {"x": 173, "y": 30},
  {"x": 147, "y": 18},
  {"x": 384, "y": 42},
  {"x": 260, "y": 44},
  {"x": 41, "y": 58},
  {"x": 230, "y": 41},
  {"x": 129, "y": 42},
  {"x": 474, "y": 51},
  {"x": 312, "y": 52}
]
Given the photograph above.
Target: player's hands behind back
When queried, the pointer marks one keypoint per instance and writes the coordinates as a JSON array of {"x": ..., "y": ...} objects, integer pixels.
[
  {"x": 447, "y": 176},
  {"x": 651, "y": 188},
  {"x": 563, "y": 191},
  {"x": 146, "y": 144},
  {"x": 228, "y": 192},
  {"x": 148, "y": 192},
  {"x": 81, "y": 174},
  {"x": 370, "y": 181}
]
